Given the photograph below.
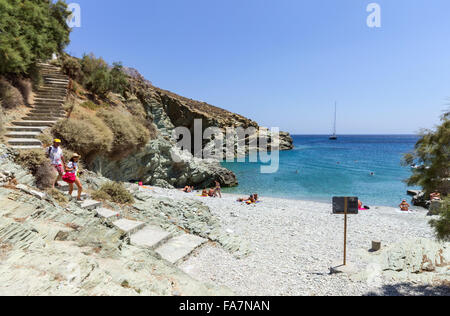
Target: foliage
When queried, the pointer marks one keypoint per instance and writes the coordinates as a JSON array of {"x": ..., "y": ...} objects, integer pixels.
[
  {"x": 31, "y": 30},
  {"x": 114, "y": 192},
  {"x": 85, "y": 134},
  {"x": 129, "y": 135},
  {"x": 10, "y": 96},
  {"x": 71, "y": 67},
  {"x": 60, "y": 197},
  {"x": 432, "y": 158},
  {"x": 442, "y": 225},
  {"x": 31, "y": 159}
]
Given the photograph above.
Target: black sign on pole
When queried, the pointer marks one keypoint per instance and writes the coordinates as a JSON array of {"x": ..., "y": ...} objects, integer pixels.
[{"x": 345, "y": 206}]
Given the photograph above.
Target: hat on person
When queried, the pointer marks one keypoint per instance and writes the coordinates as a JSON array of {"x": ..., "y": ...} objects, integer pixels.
[
  {"x": 76, "y": 156},
  {"x": 57, "y": 141}
]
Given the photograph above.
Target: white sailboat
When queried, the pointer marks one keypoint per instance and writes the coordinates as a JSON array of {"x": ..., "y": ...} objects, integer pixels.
[{"x": 334, "y": 136}]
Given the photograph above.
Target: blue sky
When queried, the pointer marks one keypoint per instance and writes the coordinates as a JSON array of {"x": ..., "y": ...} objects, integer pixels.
[{"x": 284, "y": 62}]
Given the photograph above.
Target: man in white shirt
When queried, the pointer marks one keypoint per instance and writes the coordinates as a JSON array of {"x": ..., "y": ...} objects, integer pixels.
[{"x": 56, "y": 156}]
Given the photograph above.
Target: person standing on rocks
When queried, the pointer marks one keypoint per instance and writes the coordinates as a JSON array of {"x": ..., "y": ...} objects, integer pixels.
[
  {"x": 55, "y": 154},
  {"x": 71, "y": 176}
]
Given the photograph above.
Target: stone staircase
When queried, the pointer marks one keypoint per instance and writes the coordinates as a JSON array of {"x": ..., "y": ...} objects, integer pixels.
[
  {"x": 173, "y": 249},
  {"x": 46, "y": 111}
]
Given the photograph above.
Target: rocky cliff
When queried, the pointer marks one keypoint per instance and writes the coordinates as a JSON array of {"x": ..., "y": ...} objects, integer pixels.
[{"x": 154, "y": 164}]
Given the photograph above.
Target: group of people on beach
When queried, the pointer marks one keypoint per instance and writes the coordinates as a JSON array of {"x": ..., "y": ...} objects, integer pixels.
[
  {"x": 68, "y": 172},
  {"x": 435, "y": 196},
  {"x": 213, "y": 192}
]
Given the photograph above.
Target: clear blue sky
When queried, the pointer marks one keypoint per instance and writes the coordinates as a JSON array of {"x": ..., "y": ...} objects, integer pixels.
[{"x": 284, "y": 62}]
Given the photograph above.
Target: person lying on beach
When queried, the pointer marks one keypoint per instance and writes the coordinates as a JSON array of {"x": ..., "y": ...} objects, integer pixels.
[
  {"x": 188, "y": 189},
  {"x": 252, "y": 199},
  {"x": 204, "y": 193},
  {"x": 362, "y": 207},
  {"x": 435, "y": 196},
  {"x": 404, "y": 206},
  {"x": 212, "y": 193}
]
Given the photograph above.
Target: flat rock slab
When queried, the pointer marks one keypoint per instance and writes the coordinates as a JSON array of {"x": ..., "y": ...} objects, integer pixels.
[
  {"x": 178, "y": 248},
  {"x": 128, "y": 226},
  {"x": 107, "y": 214},
  {"x": 90, "y": 204},
  {"x": 150, "y": 237},
  {"x": 63, "y": 186},
  {"x": 75, "y": 194}
]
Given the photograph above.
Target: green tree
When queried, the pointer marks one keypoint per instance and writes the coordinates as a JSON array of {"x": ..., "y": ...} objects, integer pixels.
[
  {"x": 31, "y": 30},
  {"x": 442, "y": 225},
  {"x": 432, "y": 158}
]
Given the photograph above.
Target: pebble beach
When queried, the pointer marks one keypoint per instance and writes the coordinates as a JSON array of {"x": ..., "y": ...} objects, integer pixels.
[{"x": 294, "y": 243}]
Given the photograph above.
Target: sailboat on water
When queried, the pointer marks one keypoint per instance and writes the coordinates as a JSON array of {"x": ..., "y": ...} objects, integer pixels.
[{"x": 334, "y": 136}]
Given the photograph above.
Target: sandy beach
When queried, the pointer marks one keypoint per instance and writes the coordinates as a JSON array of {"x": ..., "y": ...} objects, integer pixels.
[{"x": 294, "y": 243}]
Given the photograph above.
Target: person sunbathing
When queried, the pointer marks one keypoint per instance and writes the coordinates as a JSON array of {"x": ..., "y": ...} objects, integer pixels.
[
  {"x": 188, "y": 189},
  {"x": 204, "y": 193},
  {"x": 404, "y": 206},
  {"x": 435, "y": 196},
  {"x": 212, "y": 193},
  {"x": 252, "y": 199}
]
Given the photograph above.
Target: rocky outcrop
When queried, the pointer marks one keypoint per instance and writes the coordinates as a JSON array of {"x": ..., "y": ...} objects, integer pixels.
[
  {"x": 170, "y": 110},
  {"x": 49, "y": 249},
  {"x": 162, "y": 164},
  {"x": 418, "y": 260},
  {"x": 155, "y": 164}
]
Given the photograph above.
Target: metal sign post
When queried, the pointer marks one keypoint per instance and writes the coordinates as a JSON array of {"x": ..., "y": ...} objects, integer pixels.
[
  {"x": 345, "y": 206},
  {"x": 345, "y": 230}
]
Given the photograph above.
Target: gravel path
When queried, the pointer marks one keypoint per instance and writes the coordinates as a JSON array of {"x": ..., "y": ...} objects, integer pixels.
[{"x": 294, "y": 243}]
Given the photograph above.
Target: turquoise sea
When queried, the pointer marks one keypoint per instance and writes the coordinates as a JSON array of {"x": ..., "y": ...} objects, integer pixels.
[{"x": 318, "y": 169}]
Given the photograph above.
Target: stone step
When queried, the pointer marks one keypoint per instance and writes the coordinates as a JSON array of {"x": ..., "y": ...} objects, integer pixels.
[
  {"x": 48, "y": 100},
  {"x": 107, "y": 214},
  {"x": 48, "y": 111},
  {"x": 24, "y": 142},
  {"x": 56, "y": 83},
  {"x": 178, "y": 248},
  {"x": 53, "y": 109},
  {"x": 34, "y": 123},
  {"x": 51, "y": 88},
  {"x": 41, "y": 118},
  {"x": 150, "y": 237},
  {"x": 26, "y": 147},
  {"x": 84, "y": 195},
  {"x": 23, "y": 134},
  {"x": 50, "y": 94},
  {"x": 63, "y": 186},
  {"x": 26, "y": 128},
  {"x": 90, "y": 204},
  {"x": 128, "y": 226},
  {"x": 50, "y": 74}
]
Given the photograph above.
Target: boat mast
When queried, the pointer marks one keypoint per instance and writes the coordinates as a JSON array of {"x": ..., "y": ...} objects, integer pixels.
[{"x": 335, "y": 118}]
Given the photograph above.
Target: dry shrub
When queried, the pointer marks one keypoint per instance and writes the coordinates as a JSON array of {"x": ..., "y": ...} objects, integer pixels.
[
  {"x": 85, "y": 134},
  {"x": 45, "y": 176},
  {"x": 114, "y": 192},
  {"x": 26, "y": 88},
  {"x": 10, "y": 96},
  {"x": 38, "y": 164},
  {"x": 91, "y": 105},
  {"x": 129, "y": 134},
  {"x": 60, "y": 197},
  {"x": 46, "y": 138},
  {"x": 31, "y": 159}
]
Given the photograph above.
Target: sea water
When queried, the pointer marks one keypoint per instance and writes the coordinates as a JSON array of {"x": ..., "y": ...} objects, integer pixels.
[{"x": 318, "y": 169}]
